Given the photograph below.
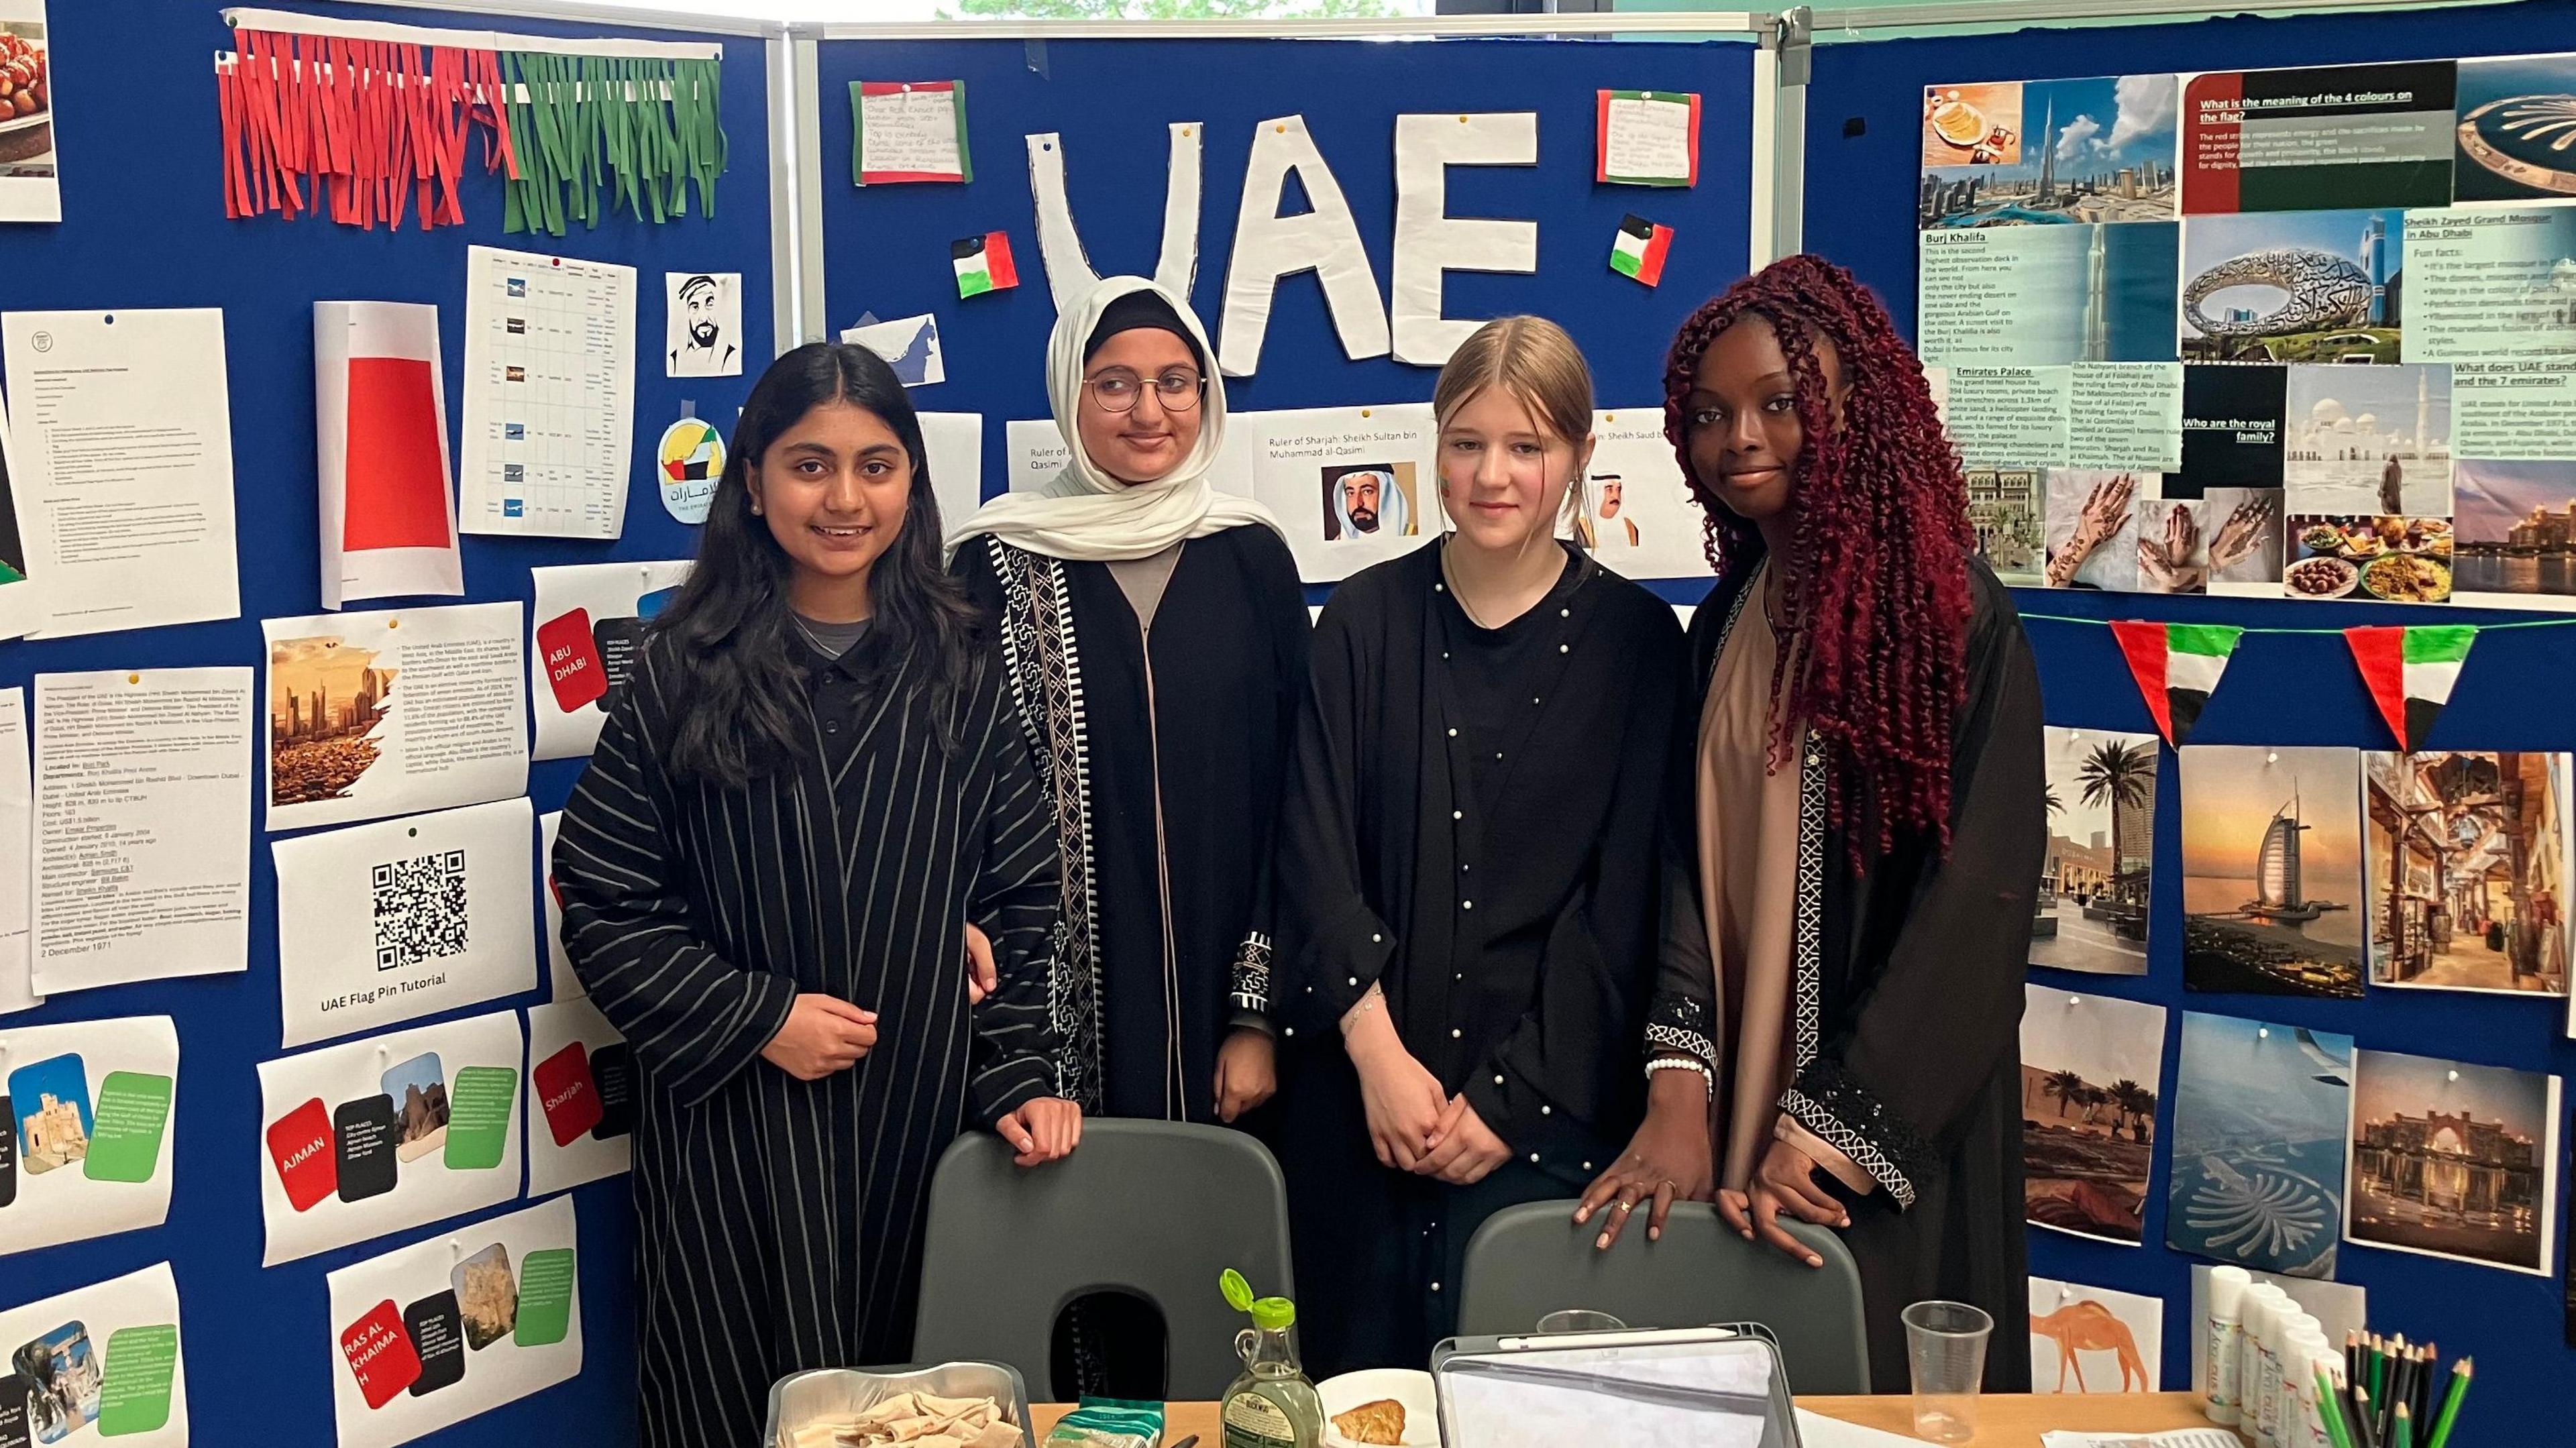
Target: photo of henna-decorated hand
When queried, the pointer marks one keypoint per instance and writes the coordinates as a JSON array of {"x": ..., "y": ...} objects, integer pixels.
[
  {"x": 2105, "y": 512},
  {"x": 2241, "y": 536},
  {"x": 2166, "y": 564}
]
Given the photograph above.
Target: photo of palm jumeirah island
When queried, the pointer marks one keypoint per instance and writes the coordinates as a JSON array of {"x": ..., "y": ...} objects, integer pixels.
[
  {"x": 2293, "y": 286},
  {"x": 2453, "y": 1159},
  {"x": 2467, "y": 863},
  {"x": 2094, "y": 883},
  {"x": 2271, "y": 850},
  {"x": 2024, "y": 153}
]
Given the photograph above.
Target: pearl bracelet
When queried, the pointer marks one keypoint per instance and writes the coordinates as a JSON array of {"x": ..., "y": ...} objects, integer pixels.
[{"x": 1683, "y": 1063}]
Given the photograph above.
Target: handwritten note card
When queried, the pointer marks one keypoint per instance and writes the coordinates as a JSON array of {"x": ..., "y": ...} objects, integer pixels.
[
  {"x": 1648, "y": 138},
  {"x": 909, "y": 131}
]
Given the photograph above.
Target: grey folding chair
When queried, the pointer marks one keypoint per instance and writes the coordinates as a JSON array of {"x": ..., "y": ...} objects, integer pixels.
[
  {"x": 1157, "y": 1209},
  {"x": 1531, "y": 1260}
]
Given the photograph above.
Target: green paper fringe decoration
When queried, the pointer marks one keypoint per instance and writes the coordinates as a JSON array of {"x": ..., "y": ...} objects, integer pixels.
[{"x": 645, "y": 128}]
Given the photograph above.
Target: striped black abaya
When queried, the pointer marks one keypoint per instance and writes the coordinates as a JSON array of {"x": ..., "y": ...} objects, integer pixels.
[{"x": 780, "y": 1221}]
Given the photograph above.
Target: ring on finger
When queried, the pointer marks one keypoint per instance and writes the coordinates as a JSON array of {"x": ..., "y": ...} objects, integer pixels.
[{"x": 1627, "y": 1206}]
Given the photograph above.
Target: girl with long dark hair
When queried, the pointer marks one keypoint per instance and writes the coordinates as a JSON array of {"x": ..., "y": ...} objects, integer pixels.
[
  {"x": 1842, "y": 985},
  {"x": 809, "y": 786}
]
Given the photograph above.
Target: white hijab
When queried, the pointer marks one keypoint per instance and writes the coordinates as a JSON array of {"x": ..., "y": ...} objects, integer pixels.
[{"x": 1085, "y": 514}]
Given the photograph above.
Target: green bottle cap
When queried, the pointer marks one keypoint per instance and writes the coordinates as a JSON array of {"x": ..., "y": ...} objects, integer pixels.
[{"x": 1270, "y": 1314}]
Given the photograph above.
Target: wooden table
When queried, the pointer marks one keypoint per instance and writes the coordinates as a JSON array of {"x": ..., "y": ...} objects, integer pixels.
[{"x": 2009, "y": 1420}]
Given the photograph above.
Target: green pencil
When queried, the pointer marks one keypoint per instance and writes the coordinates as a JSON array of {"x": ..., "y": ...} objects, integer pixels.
[
  {"x": 2330, "y": 1408},
  {"x": 2405, "y": 1427},
  {"x": 2460, "y": 1372}
]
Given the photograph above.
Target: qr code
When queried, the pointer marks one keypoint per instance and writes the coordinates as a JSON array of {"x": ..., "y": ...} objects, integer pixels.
[{"x": 420, "y": 910}]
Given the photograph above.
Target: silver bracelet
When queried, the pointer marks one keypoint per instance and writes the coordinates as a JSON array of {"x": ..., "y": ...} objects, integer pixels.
[{"x": 1683, "y": 1063}]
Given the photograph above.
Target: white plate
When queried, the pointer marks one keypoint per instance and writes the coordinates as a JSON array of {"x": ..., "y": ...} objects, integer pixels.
[{"x": 1409, "y": 1386}]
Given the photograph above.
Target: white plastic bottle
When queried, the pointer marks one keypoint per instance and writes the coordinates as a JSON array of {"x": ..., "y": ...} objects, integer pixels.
[
  {"x": 2224, "y": 1337},
  {"x": 2262, "y": 1383},
  {"x": 2300, "y": 1345}
]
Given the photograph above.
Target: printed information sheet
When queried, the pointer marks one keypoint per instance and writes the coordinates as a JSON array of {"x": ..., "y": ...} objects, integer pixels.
[
  {"x": 123, "y": 427},
  {"x": 118, "y": 1346},
  {"x": 386, "y": 1132},
  {"x": 17, "y": 851},
  {"x": 549, "y": 395},
  {"x": 581, "y": 1101},
  {"x": 85, "y": 1134},
  {"x": 387, "y": 922},
  {"x": 373, "y": 714},
  {"x": 142, "y": 826},
  {"x": 434, "y": 1333}
]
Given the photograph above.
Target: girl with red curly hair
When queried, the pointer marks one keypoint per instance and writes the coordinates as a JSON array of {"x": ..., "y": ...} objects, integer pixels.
[{"x": 1835, "y": 1039}]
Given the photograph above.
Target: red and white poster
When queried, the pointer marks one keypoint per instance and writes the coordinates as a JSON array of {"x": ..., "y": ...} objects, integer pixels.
[{"x": 388, "y": 492}]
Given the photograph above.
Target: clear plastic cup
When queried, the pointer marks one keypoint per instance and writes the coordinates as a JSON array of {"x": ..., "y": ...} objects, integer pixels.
[
  {"x": 1579, "y": 1319},
  {"x": 1945, "y": 1343}
]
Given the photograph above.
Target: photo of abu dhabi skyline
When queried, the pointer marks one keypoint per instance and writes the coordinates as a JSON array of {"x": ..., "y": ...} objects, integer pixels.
[{"x": 2091, "y": 150}]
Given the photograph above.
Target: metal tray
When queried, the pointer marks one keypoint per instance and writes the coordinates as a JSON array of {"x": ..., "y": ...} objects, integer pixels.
[{"x": 802, "y": 1399}]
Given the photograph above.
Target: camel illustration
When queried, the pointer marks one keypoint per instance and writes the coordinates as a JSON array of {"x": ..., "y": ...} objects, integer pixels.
[{"x": 2089, "y": 1327}]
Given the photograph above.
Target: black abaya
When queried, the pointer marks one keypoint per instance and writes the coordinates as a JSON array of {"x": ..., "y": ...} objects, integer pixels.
[
  {"x": 1506, "y": 906},
  {"x": 779, "y": 1221},
  {"x": 1906, "y": 1012},
  {"x": 1161, "y": 749}
]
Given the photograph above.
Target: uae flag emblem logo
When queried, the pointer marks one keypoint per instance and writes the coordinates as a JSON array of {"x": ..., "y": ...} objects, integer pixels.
[
  {"x": 2177, "y": 666},
  {"x": 1639, "y": 251},
  {"x": 983, "y": 264},
  {"x": 2409, "y": 672}
]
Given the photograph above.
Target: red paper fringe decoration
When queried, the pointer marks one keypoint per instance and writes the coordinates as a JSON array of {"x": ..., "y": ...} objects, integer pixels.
[{"x": 363, "y": 121}]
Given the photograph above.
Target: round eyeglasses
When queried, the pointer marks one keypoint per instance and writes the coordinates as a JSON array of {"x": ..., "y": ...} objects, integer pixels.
[{"x": 1117, "y": 389}]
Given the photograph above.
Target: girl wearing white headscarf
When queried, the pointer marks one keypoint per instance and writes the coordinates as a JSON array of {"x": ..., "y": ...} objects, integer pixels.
[{"x": 1156, "y": 635}]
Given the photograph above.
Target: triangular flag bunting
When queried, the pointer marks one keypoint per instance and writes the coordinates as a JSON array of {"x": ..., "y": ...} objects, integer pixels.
[
  {"x": 2409, "y": 672},
  {"x": 2177, "y": 666}
]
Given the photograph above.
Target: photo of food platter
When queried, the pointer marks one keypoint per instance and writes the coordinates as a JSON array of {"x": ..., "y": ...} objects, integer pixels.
[{"x": 2382, "y": 559}]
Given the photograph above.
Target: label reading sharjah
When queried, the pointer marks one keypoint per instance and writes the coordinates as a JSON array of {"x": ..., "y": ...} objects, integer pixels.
[{"x": 565, "y": 1092}]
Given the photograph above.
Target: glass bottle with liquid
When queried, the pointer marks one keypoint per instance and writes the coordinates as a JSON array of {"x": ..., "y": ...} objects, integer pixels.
[{"x": 1272, "y": 1405}]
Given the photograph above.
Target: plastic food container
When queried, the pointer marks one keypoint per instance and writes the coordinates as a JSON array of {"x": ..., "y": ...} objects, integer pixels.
[{"x": 828, "y": 1395}]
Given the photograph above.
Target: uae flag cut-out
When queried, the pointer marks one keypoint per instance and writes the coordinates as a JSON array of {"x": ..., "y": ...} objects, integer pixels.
[
  {"x": 2177, "y": 666},
  {"x": 983, "y": 264},
  {"x": 2409, "y": 672}
]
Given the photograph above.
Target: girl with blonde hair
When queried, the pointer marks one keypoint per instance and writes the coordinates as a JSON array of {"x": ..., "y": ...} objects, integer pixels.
[{"x": 1467, "y": 895}]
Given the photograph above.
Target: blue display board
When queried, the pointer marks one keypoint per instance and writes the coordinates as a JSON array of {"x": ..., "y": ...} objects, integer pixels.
[
  {"x": 2517, "y": 692},
  {"x": 144, "y": 226},
  {"x": 886, "y": 247}
]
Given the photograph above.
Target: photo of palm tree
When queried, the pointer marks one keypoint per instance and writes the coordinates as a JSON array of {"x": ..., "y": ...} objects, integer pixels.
[
  {"x": 2095, "y": 886},
  {"x": 2089, "y": 1070}
]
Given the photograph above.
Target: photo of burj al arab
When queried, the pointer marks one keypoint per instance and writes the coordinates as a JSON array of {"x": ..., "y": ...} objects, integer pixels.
[
  {"x": 2293, "y": 286},
  {"x": 2036, "y": 153},
  {"x": 2271, "y": 855}
]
